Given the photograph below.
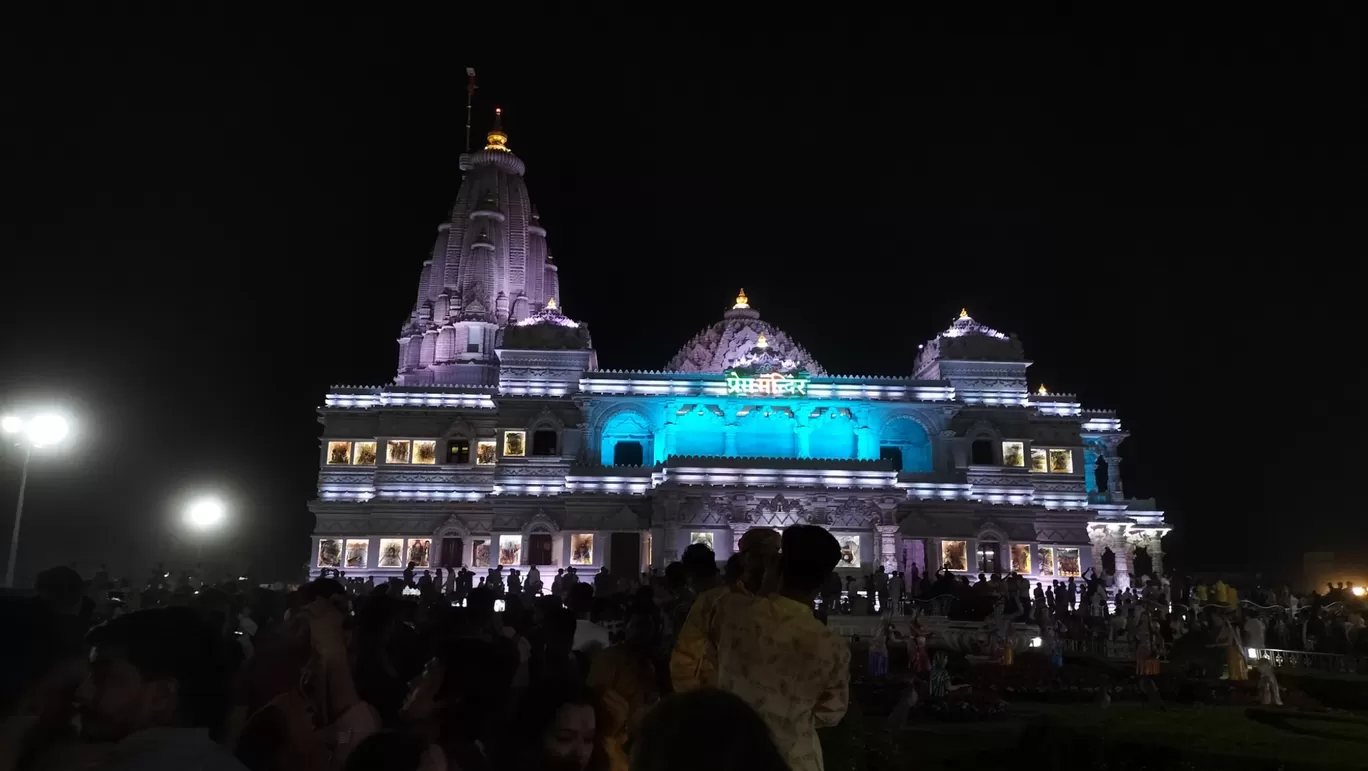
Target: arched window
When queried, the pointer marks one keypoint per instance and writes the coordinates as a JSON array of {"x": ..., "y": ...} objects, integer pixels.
[
  {"x": 629, "y": 454},
  {"x": 624, "y": 427},
  {"x": 905, "y": 442},
  {"x": 894, "y": 454},
  {"x": 544, "y": 442},
  {"x": 981, "y": 452},
  {"x": 989, "y": 555},
  {"x": 540, "y": 549},
  {"x": 458, "y": 450}
]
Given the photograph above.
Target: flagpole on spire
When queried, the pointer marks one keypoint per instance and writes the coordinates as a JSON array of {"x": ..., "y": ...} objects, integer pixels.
[{"x": 470, "y": 102}]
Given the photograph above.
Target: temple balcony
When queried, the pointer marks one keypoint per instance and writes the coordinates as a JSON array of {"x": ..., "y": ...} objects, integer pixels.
[
  {"x": 355, "y": 483},
  {"x": 1000, "y": 484},
  {"x": 1100, "y": 422},
  {"x": 635, "y": 480},
  {"x": 821, "y": 473},
  {"x": 921, "y": 487},
  {"x": 533, "y": 475},
  {"x": 433, "y": 482},
  {"x": 1059, "y": 491},
  {"x": 372, "y": 397},
  {"x": 1058, "y": 405}
]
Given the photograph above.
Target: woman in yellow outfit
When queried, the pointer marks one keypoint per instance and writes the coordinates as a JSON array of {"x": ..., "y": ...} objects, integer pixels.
[
  {"x": 626, "y": 681},
  {"x": 1228, "y": 638}
]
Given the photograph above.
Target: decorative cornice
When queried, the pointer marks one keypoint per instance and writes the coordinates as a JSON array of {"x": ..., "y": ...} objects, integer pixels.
[{"x": 818, "y": 464}]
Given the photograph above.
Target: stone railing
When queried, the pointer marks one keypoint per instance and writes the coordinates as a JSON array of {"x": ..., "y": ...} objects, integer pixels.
[
  {"x": 1116, "y": 650},
  {"x": 965, "y": 637},
  {"x": 1320, "y": 662}
]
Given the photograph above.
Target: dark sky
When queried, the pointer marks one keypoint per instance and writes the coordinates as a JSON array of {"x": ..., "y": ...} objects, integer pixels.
[{"x": 208, "y": 219}]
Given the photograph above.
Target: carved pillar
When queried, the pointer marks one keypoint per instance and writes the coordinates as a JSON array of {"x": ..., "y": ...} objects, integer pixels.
[
  {"x": 804, "y": 436},
  {"x": 729, "y": 437},
  {"x": 1112, "y": 537},
  {"x": 1114, "y": 477},
  {"x": 946, "y": 454},
  {"x": 864, "y": 437},
  {"x": 669, "y": 535},
  {"x": 671, "y": 550},
  {"x": 1100, "y": 540},
  {"x": 1090, "y": 480},
  {"x": 428, "y": 351},
  {"x": 888, "y": 546},
  {"x": 738, "y": 532},
  {"x": 669, "y": 439},
  {"x": 1152, "y": 545}
]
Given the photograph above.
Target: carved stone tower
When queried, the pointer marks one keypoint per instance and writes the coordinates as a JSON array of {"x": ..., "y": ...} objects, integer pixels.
[{"x": 488, "y": 268}]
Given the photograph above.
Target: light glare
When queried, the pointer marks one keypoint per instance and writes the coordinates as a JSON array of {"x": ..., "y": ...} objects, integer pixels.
[
  {"x": 47, "y": 429},
  {"x": 204, "y": 513}
]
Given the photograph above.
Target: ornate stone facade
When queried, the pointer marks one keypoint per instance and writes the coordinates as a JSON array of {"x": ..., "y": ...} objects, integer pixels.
[
  {"x": 503, "y": 440},
  {"x": 489, "y": 267}
]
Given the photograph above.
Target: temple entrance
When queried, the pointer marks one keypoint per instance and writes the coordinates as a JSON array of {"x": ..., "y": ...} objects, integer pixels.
[
  {"x": 539, "y": 549},
  {"x": 451, "y": 552},
  {"x": 914, "y": 554},
  {"x": 624, "y": 554}
]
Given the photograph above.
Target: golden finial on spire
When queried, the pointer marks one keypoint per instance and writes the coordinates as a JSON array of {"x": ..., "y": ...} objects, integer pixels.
[
  {"x": 761, "y": 342},
  {"x": 1043, "y": 391},
  {"x": 496, "y": 138},
  {"x": 964, "y": 313},
  {"x": 551, "y": 304},
  {"x": 741, "y": 300}
]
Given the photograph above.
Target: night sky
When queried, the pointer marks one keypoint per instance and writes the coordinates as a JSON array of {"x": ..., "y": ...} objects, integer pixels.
[{"x": 208, "y": 220}]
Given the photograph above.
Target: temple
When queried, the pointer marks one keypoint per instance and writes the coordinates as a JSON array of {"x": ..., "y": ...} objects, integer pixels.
[{"x": 502, "y": 442}]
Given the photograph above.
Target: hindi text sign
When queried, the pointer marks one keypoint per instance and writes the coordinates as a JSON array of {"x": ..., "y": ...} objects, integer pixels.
[{"x": 768, "y": 384}]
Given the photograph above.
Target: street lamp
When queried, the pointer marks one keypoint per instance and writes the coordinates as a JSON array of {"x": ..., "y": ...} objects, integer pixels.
[
  {"x": 42, "y": 430},
  {"x": 203, "y": 515}
]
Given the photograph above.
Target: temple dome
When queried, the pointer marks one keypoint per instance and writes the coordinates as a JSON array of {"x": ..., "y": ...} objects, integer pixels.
[
  {"x": 967, "y": 340},
  {"x": 965, "y": 326},
  {"x": 742, "y": 339}
]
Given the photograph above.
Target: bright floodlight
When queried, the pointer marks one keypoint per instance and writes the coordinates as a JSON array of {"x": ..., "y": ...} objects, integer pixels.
[
  {"x": 13, "y": 424},
  {"x": 204, "y": 513},
  {"x": 47, "y": 429}
]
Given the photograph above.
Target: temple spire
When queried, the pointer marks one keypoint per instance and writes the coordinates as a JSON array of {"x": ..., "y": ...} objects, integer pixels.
[{"x": 496, "y": 138}]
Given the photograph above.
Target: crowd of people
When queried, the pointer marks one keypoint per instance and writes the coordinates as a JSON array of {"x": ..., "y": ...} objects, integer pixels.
[
  {"x": 691, "y": 667},
  {"x": 652, "y": 672},
  {"x": 1151, "y": 617}
]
